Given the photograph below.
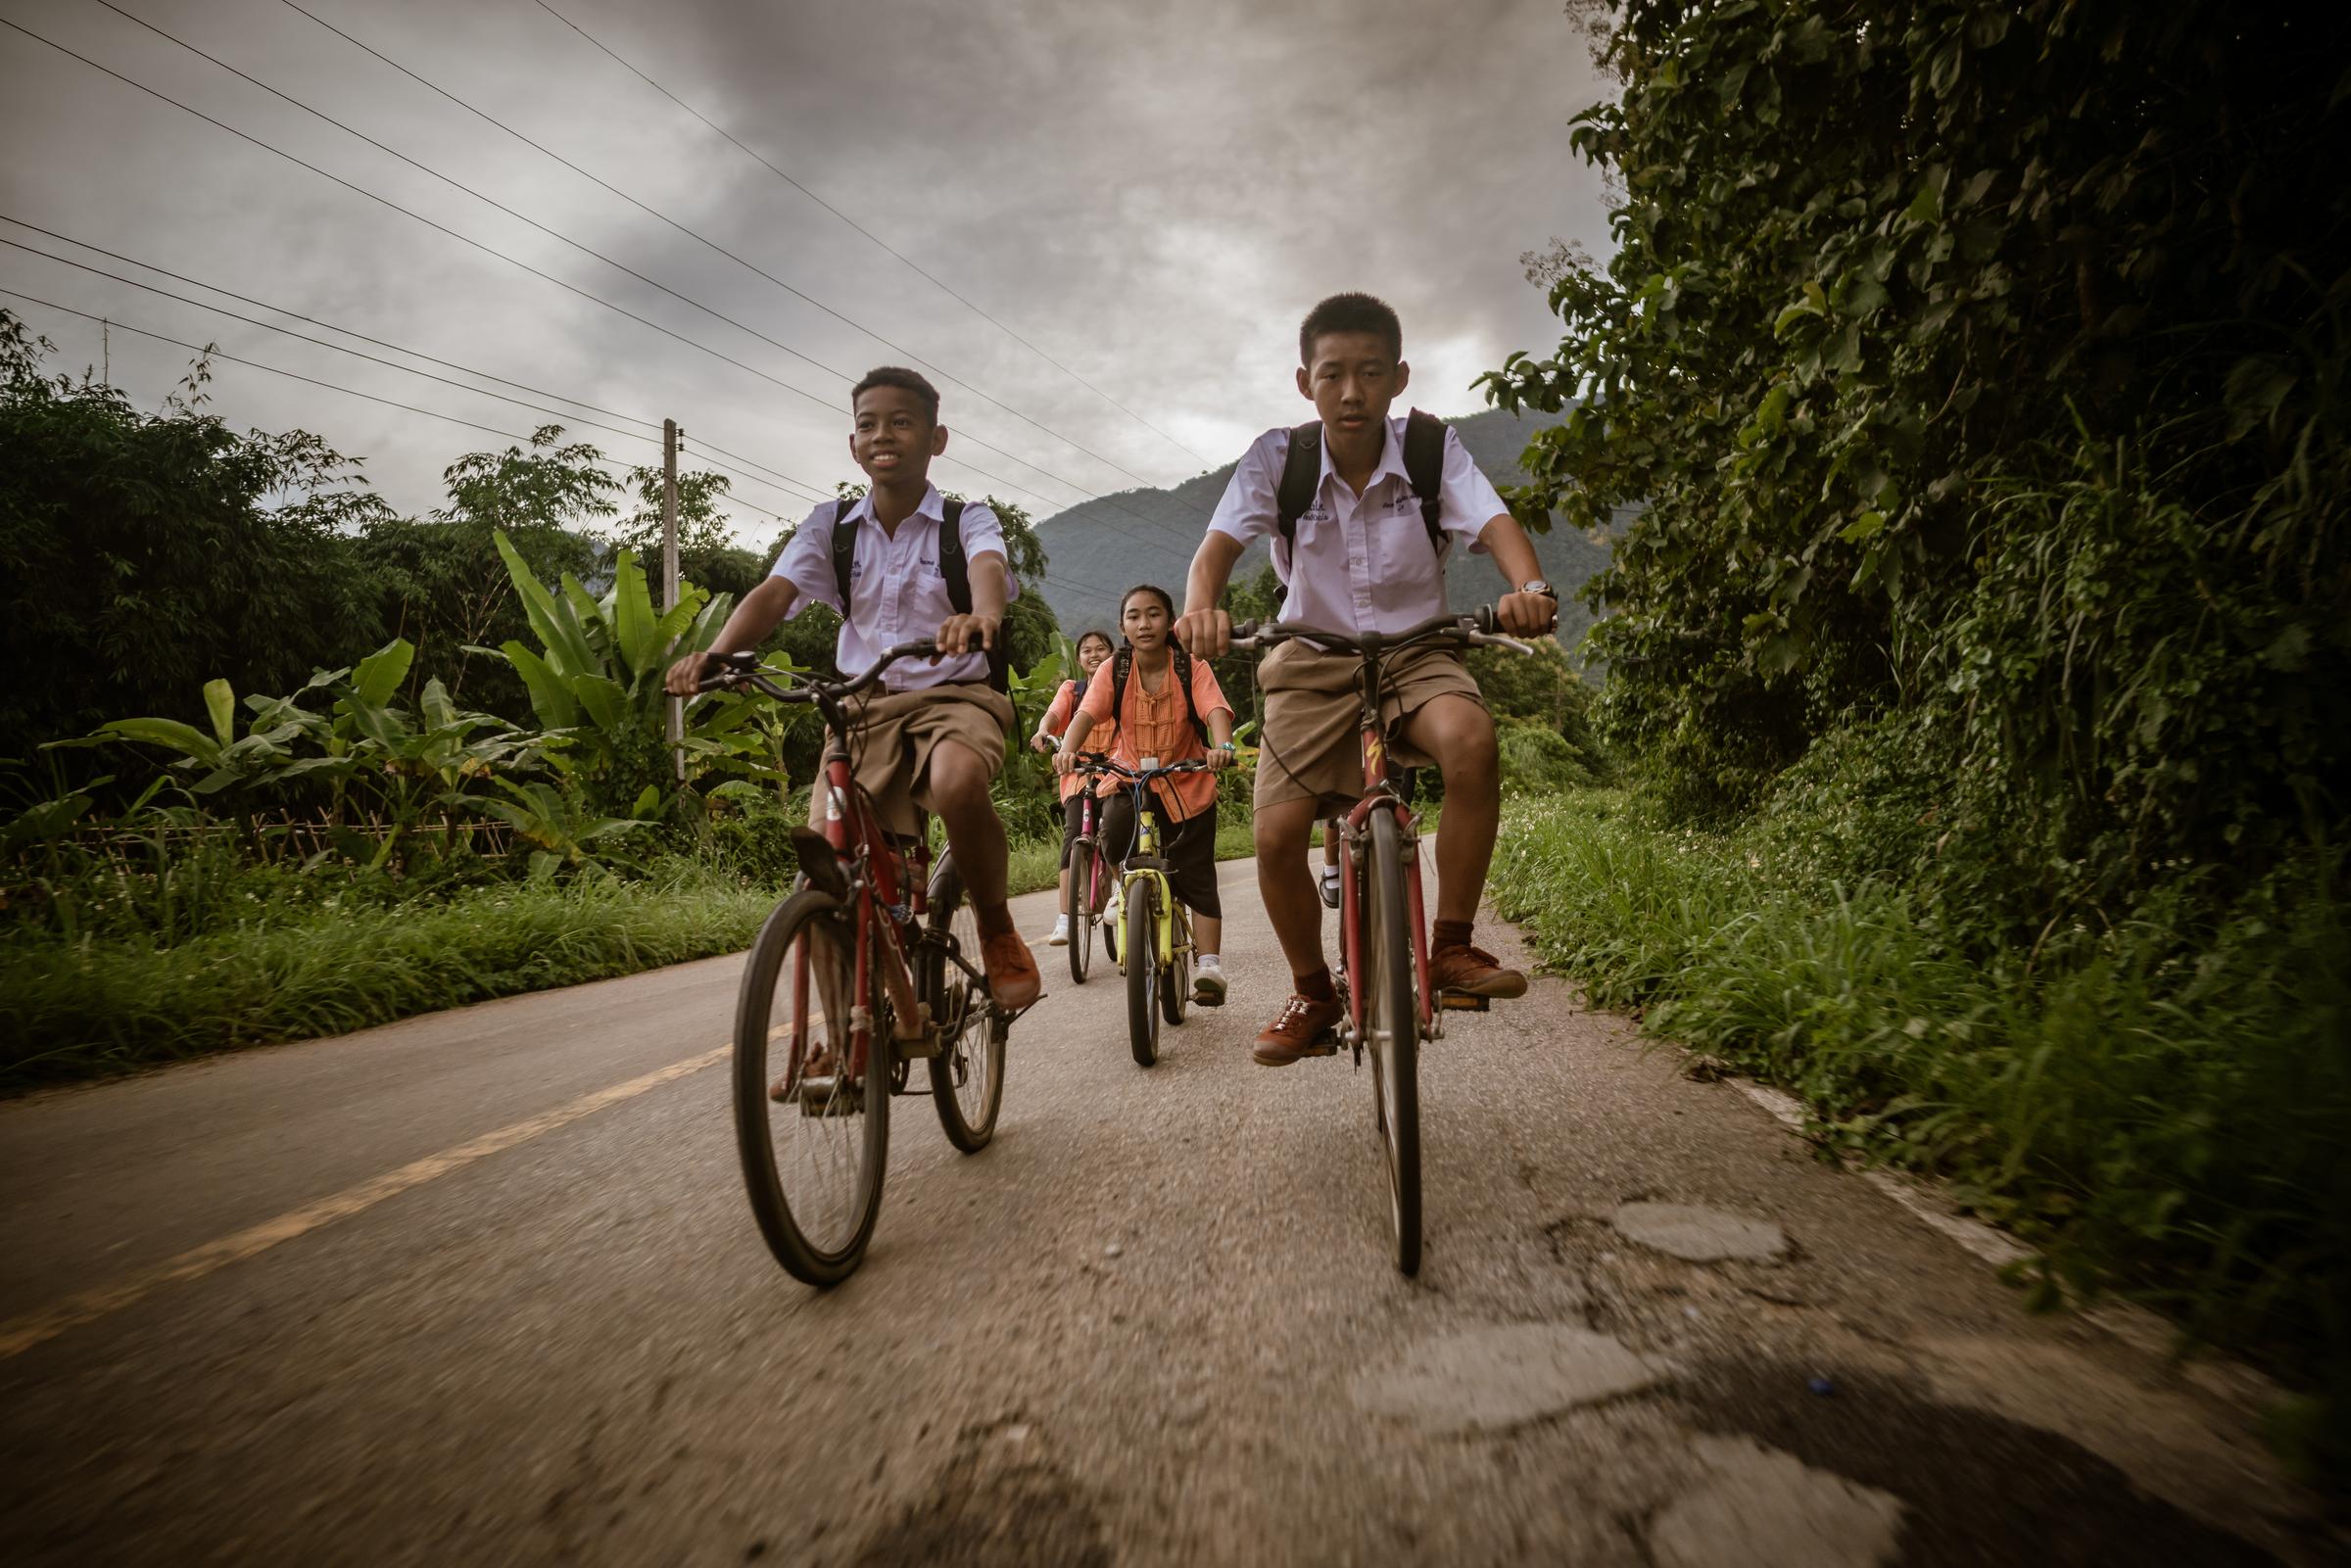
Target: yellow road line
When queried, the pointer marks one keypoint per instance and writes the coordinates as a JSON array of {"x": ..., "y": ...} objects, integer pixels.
[{"x": 22, "y": 1333}]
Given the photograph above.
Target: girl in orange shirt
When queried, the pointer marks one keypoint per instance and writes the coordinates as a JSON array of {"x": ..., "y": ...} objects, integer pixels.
[{"x": 1158, "y": 722}]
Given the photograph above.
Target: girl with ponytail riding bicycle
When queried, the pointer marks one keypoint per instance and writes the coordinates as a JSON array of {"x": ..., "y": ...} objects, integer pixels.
[
  {"x": 1093, "y": 650},
  {"x": 1168, "y": 708}
]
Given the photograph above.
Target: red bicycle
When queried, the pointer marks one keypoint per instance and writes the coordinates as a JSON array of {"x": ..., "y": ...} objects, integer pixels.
[
  {"x": 1383, "y": 934},
  {"x": 862, "y": 970},
  {"x": 1089, "y": 883}
]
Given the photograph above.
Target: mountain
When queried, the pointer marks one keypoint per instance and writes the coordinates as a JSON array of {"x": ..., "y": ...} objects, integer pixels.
[{"x": 1099, "y": 547}]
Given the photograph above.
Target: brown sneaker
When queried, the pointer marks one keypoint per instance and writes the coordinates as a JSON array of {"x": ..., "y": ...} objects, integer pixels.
[
  {"x": 1474, "y": 971},
  {"x": 1012, "y": 976},
  {"x": 1301, "y": 1028}
]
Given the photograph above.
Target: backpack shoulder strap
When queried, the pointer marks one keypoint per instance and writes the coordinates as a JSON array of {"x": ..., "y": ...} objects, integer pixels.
[
  {"x": 1301, "y": 477},
  {"x": 1181, "y": 671},
  {"x": 845, "y": 555},
  {"x": 1424, "y": 467},
  {"x": 1121, "y": 665},
  {"x": 952, "y": 564}
]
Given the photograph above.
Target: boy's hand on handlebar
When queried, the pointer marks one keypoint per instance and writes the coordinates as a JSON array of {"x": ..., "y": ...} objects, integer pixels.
[
  {"x": 1526, "y": 614},
  {"x": 966, "y": 634},
  {"x": 1204, "y": 634},
  {"x": 685, "y": 677}
]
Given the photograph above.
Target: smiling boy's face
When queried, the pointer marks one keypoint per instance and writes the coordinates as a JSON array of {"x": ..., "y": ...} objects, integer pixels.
[
  {"x": 1352, "y": 378},
  {"x": 894, "y": 438}
]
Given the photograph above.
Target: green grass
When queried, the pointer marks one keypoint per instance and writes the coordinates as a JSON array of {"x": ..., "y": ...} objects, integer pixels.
[
  {"x": 72, "y": 1011},
  {"x": 2156, "y": 1112}
]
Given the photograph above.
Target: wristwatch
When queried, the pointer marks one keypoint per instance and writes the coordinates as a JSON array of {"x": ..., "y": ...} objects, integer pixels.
[{"x": 1537, "y": 585}]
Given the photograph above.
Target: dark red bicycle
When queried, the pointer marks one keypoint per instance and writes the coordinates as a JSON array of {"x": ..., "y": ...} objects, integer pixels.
[
  {"x": 1383, "y": 934},
  {"x": 864, "y": 970}
]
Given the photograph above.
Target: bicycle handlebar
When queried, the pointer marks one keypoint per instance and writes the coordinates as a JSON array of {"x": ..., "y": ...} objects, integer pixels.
[
  {"x": 1474, "y": 630},
  {"x": 1097, "y": 762},
  {"x": 744, "y": 669}
]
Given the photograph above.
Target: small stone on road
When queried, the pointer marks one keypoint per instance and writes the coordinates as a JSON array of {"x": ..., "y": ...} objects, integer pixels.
[
  {"x": 1492, "y": 1379},
  {"x": 1756, "y": 1507},
  {"x": 1698, "y": 1235}
]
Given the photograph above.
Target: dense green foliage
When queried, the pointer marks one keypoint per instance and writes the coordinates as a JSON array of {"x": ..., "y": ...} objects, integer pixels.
[
  {"x": 2176, "y": 1126},
  {"x": 1980, "y": 365}
]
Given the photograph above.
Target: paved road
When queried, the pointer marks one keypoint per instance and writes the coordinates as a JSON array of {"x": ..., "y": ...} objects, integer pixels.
[{"x": 482, "y": 1287}]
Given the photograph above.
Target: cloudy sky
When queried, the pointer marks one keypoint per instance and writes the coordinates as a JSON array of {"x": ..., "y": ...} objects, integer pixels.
[{"x": 1149, "y": 194}]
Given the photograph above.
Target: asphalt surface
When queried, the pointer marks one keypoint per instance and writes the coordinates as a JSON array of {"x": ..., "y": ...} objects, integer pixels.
[{"x": 483, "y": 1287}]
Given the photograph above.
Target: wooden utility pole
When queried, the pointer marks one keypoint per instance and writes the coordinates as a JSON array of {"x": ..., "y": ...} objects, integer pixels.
[{"x": 671, "y": 435}]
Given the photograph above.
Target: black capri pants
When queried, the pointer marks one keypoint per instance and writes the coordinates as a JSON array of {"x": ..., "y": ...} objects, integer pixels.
[{"x": 1188, "y": 848}]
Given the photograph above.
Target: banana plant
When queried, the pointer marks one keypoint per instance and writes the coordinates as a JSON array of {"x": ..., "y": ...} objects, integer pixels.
[
  {"x": 563, "y": 829},
  {"x": 596, "y": 678}
]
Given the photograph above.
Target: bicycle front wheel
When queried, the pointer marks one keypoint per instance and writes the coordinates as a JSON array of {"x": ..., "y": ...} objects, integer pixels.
[
  {"x": 813, "y": 1134},
  {"x": 1394, "y": 1027},
  {"x": 1082, "y": 867},
  {"x": 967, "y": 1076},
  {"x": 1176, "y": 980},
  {"x": 1140, "y": 943}
]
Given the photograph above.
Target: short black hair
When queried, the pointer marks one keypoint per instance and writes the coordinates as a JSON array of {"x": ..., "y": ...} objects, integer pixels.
[
  {"x": 897, "y": 375},
  {"x": 1350, "y": 313},
  {"x": 1147, "y": 588}
]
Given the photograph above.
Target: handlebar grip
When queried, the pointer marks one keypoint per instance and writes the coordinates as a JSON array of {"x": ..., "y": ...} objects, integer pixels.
[{"x": 1485, "y": 618}]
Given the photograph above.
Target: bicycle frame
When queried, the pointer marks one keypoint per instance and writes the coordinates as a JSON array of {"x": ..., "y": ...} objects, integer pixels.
[
  {"x": 1380, "y": 794},
  {"x": 876, "y": 873}
]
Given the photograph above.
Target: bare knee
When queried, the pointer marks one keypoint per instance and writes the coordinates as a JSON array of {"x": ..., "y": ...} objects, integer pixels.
[{"x": 958, "y": 779}]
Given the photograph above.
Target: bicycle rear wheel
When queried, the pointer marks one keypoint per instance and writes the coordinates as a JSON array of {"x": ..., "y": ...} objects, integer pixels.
[
  {"x": 1394, "y": 1028},
  {"x": 967, "y": 1076},
  {"x": 1140, "y": 943},
  {"x": 813, "y": 1163},
  {"x": 1083, "y": 864}
]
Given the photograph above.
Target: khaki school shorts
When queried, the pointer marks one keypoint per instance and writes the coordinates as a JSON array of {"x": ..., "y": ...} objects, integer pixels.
[
  {"x": 1312, "y": 748},
  {"x": 893, "y": 736}
]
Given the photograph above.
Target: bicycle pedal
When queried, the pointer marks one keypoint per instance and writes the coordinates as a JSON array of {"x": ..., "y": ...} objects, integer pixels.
[{"x": 1464, "y": 1002}]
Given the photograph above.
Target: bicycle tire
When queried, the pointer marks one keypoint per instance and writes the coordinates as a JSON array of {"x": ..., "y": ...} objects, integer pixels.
[
  {"x": 1176, "y": 980},
  {"x": 808, "y": 919},
  {"x": 1139, "y": 942},
  {"x": 967, "y": 1076},
  {"x": 1082, "y": 914},
  {"x": 1394, "y": 1028}
]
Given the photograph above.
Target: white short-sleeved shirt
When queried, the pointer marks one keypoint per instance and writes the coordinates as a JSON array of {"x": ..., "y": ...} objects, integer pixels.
[
  {"x": 1360, "y": 564},
  {"x": 896, "y": 592}
]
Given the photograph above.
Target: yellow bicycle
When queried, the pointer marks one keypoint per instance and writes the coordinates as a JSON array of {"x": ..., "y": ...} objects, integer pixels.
[{"x": 1153, "y": 942}]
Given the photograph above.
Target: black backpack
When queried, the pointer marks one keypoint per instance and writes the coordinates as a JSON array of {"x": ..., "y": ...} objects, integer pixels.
[
  {"x": 1424, "y": 466},
  {"x": 952, "y": 565},
  {"x": 1121, "y": 665}
]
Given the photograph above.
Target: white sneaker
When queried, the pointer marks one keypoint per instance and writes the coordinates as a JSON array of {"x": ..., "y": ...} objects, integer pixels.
[
  {"x": 1061, "y": 933},
  {"x": 1114, "y": 917},
  {"x": 1208, "y": 982},
  {"x": 1331, "y": 886}
]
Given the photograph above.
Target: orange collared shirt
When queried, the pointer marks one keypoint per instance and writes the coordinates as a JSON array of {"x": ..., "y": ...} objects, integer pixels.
[{"x": 1157, "y": 726}]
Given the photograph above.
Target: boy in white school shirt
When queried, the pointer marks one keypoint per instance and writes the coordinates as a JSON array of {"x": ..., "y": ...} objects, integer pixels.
[
  {"x": 933, "y": 736},
  {"x": 1362, "y": 561}
]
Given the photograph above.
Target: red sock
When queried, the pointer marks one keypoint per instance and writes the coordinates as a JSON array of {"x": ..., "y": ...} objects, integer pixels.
[
  {"x": 1317, "y": 987},
  {"x": 1448, "y": 934}
]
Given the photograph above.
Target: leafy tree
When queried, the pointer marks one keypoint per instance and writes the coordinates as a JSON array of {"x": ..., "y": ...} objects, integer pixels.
[
  {"x": 147, "y": 554},
  {"x": 1979, "y": 367},
  {"x": 442, "y": 583}
]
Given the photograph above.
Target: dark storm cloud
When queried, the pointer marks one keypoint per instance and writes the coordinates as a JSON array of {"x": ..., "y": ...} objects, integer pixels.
[{"x": 1152, "y": 194}]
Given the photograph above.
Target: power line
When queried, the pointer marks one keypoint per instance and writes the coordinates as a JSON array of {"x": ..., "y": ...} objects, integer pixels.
[
  {"x": 215, "y": 352},
  {"x": 493, "y": 251},
  {"x": 585, "y": 250},
  {"x": 702, "y": 239},
  {"x": 212, "y": 352},
  {"x": 905, "y": 260},
  {"x": 781, "y": 479},
  {"x": 703, "y": 446}
]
